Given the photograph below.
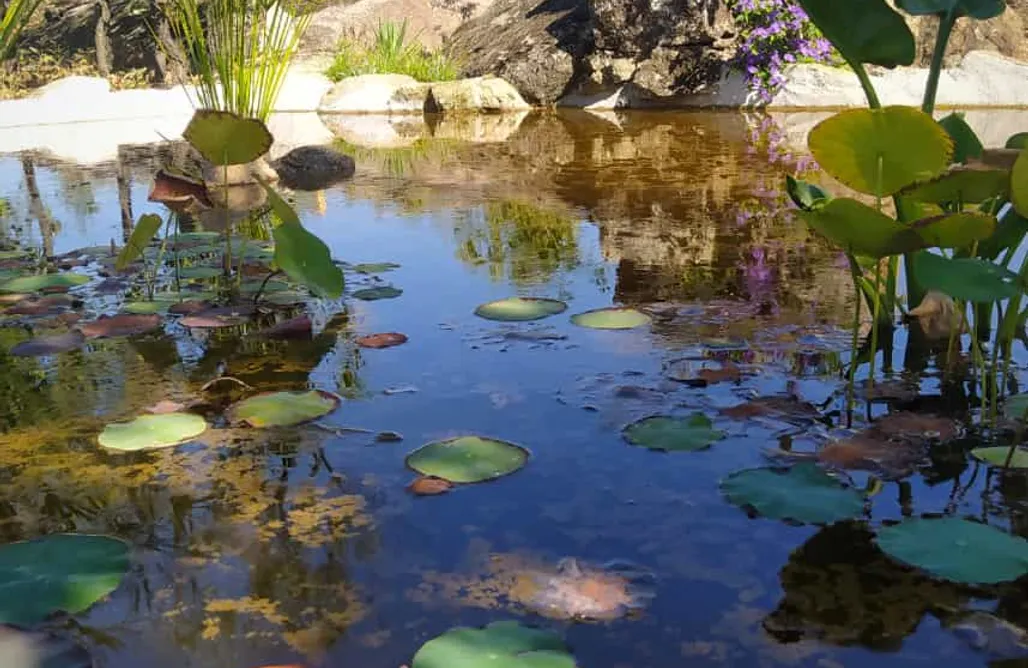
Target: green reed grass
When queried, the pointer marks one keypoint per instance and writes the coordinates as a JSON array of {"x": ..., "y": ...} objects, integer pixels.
[
  {"x": 389, "y": 52},
  {"x": 16, "y": 14},
  {"x": 240, "y": 51}
]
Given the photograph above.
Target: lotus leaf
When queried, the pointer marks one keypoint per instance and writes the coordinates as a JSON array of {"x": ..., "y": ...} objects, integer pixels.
[
  {"x": 467, "y": 459},
  {"x": 125, "y": 324},
  {"x": 225, "y": 138},
  {"x": 955, "y": 230},
  {"x": 969, "y": 279},
  {"x": 283, "y": 409},
  {"x": 957, "y": 549},
  {"x": 519, "y": 309},
  {"x": 864, "y": 31},
  {"x": 499, "y": 645},
  {"x": 150, "y": 432},
  {"x": 381, "y": 292},
  {"x": 1018, "y": 188},
  {"x": 803, "y": 493},
  {"x": 375, "y": 267},
  {"x": 981, "y": 10},
  {"x": 805, "y": 195},
  {"x": 673, "y": 434},
  {"x": 58, "y": 573},
  {"x": 961, "y": 185},
  {"x": 881, "y": 151},
  {"x": 966, "y": 144},
  {"x": 143, "y": 308},
  {"x": 145, "y": 230},
  {"x": 859, "y": 229},
  {"x": 286, "y": 298},
  {"x": 614, "y": 317},
  {"x": 48, "y": 345},
  {"x": 1017, "y": 141},
  {"x": 43, "y": 281},
  {"x": 199, "y": 272},
  {"x": 998, "y": 455}
]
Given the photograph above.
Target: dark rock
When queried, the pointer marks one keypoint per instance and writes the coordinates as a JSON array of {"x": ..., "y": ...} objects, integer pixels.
[{"x": 313, "y": 168}]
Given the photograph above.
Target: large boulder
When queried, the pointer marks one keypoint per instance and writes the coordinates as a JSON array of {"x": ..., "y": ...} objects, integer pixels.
[
  {"x": 1004, "y": 34},
  {"x": 479, "y": 94},
  {"x": 536, "y": 45},
  {"x": 376, "y": 93}
]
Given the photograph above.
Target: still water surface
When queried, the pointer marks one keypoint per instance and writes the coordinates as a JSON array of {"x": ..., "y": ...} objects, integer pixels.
[{"x": 302, "y": 546}]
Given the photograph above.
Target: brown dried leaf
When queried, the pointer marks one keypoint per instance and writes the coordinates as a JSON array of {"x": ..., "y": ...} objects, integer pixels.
[
  {"x": 382, "y": 340},
  {"x": 429, "y": 486},
  {"x": 124, "y": 324}
]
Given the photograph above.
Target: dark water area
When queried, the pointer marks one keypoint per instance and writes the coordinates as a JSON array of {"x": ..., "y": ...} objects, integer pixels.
[{"x": 302, "y": 545}]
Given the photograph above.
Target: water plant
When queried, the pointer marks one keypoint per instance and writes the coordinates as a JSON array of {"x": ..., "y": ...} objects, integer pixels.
[
  {"x": 239, "y": 50},
  {"x": 16, "y": 14},
  {"x": 390, "y": 52}
]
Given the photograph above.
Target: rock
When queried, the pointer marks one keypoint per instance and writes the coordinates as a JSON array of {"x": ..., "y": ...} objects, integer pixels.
[
  {"x": 476, "y": 128},
  {"x": 534, "y": 45},
  {"x": 313, "y": 168},
  {"x": 234, "y": 175},
  {"x": 1003, "y": 34},
  {"x": 377, "y": 130},
  {"x": 376, "y": 94},
  {"x": 488, "y": 94},
  {"x": 74, "y": 87}
]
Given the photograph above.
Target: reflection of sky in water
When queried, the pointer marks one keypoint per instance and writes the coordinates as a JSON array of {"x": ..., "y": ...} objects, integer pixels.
[{"x": 584, "y": 494}]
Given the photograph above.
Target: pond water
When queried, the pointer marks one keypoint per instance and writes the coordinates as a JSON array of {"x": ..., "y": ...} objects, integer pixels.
[{"x": 302, "y": 544}]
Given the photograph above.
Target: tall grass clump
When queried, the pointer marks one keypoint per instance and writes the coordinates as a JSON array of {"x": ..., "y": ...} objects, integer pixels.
[
  {"x": 239, "y": 50},
  {"x": 16, "y": 14},
  {"x": 389, "y": 52}
]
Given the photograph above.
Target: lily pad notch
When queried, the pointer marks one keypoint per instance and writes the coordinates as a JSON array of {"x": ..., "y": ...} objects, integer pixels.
[{"x": 468, "y": 459}]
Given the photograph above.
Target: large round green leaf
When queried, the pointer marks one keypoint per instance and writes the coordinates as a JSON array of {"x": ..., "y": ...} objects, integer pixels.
[
  {"x": 957, "y": 549},
  {"x": 966, "y": 144},
  {"x": 969, "y": 279},
  {"x": 498, "y": 645},
  {"x": 376, "y": 293},
  {"x": 955, "y": 230},
  {"x": 43, "y": 281},
  {"x": 961, "y": 185},
  {"x": 468, "y": 459},
  {"x": 803, "y": 493},
  {"x": 864, "y": 31},
  {"x": 859, "y": 229},
  {"x": 614, "y": 317},
  {"x": 283, "y": 409},
  {"x": 998, "y": 456},
  {"x": 673, "y": 434},
  {"x": 58, "y": 573},
  {"x": 881, "y": 151},
  {"x": 519, "y": 309},
  {"x": 149, "y": 432},
  {"x": 225, "y": 138},
  {"x": 307, "y": 260}
]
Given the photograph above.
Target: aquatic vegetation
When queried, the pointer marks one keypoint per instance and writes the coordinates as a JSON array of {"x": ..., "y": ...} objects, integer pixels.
[
  {"x": 468, "y": 459},
  {"x": 59, "y": 573},
  {"x": 584, "y": 592},
  {"x": 429, "y": 486},
  {"x": 381, "y": 340},
  {"x": 511, "y": 643},
  {"x": 120, "y": 325},
  {"x": 150, "y": 432},
  {"x": 957, "y": 549},
  {"x": 1004, "y": 457},
  {"x": 389, "y": 52},
  {"x": 520, "y": 309},
  {"x": 803, "y": 493},
  {"x": 15, "y": 16},
  {"x": 48, "y": 345},
  {"x": 374, "y": 294},
  {"x": 283, "y": 409},
  {"x": 614, "y": 317},
  {"x": 673, "y": 434}
]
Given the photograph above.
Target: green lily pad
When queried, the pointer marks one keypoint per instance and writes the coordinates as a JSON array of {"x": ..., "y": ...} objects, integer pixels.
[
  {"x": 381, "y": 292},
  {"x": 468, "y": 459},
  {"x": 251, "y": 287},
  {"x": 43, "y": 281},
  {"x": 200, "y": 272},
  {"x": 964, "y": 185},
  {"x": 375, "y": 267},
  {"x": 58, "y": 573},
  {"x": 500, "y": 644},
  {"x": 146, "y": 307},
  {"x": 803, "y": 493},
  {"x": 225, "y": 138},
  {"x": 520, "y": 309},
  {"x": 150, "y": 432},
  {"x": 1016, "y": 406},
  {"x": 956, "y": 549},
  {"x": 283, "y": 409},
  {"x": 673, "y": 434},
  {"x": 860, "y": 229},
  {"x": 997, "y": 456},
  {"x": 285, "y": 297},
  {"x": 614, "y": 317}
]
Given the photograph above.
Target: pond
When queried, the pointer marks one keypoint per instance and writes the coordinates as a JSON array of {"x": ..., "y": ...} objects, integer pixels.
[{"x": 303, "y": 544}]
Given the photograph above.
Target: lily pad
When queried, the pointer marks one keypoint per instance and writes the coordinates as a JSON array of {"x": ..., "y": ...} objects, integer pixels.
[
  {"x": 957, "y": 549},
  {"x": 1016, "y": 406},
  {"x": 58, "y": 573},
  {"x": 998, "y": 455},
  {"x": 381, "y": 292},
  {"x": 225, "y": 138},
  {"x": 500, "y": 644},
  {"x": 382, "y": 340},
  {"x": 120, "y": 325},
  {"x": 200, "y": 272},
  {"x": 150, "y": 432},
  {"x": 803, "y": 493},
  {"x": 673, "y": 434},
  {"x": 467, "y": 459},
  {"x": 220, "y": 316},
  {"x": 375, "y": 267},
  {"x": 48, "y": 345},
  {"x": 520, "y": 309},
  {"x": 614, "y": 317},
  {"x": 283, "y": 409},
  {"x": 138, "y": 308},
  {"x": 43, "y": 281}
]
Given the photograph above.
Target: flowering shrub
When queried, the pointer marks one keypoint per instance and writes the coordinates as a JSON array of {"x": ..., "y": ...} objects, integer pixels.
[{"x": 775, "y": 33}]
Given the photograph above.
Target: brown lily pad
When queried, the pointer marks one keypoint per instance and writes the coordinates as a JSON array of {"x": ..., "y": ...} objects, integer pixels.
[
  {"x": 165, "y": 406},
  {"x": 429, "y": 486},
  {"x": 124, "y": 324},
  {"x": 179, "y": 194},
  {"x": 48, "y": 345},
  {"x": 784, "y": 408},
  {"x": 41, "y": 306},
  {"x": 55, "y": 290},
  {"x": 868, "y": 451},
  {"x": 700, "y": 373},
  {"x": 189, "y": 307},
  {"x": 14, "y": 298},
  {"x": 382, "y": 340},
  {"x": 918, "y": 426},
  {"x": 299, "y": 327},
  {"x": 222, "y": 316}
]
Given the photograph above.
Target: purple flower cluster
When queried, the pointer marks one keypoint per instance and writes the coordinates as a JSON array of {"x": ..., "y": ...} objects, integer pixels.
[{"x": 775, "y": 34}]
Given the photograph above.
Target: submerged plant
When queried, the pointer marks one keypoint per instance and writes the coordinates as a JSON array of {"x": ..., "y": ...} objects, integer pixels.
[{"x": 239, "y": 50}]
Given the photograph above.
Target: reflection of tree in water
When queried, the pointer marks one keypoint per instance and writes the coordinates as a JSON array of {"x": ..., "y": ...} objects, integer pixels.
[
  {"x": 839, "y": 588},
  {"x": 518, "y": 240}
]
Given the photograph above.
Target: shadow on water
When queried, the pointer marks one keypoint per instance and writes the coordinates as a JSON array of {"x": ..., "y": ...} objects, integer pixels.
[{"x": 301, "y": 544}]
